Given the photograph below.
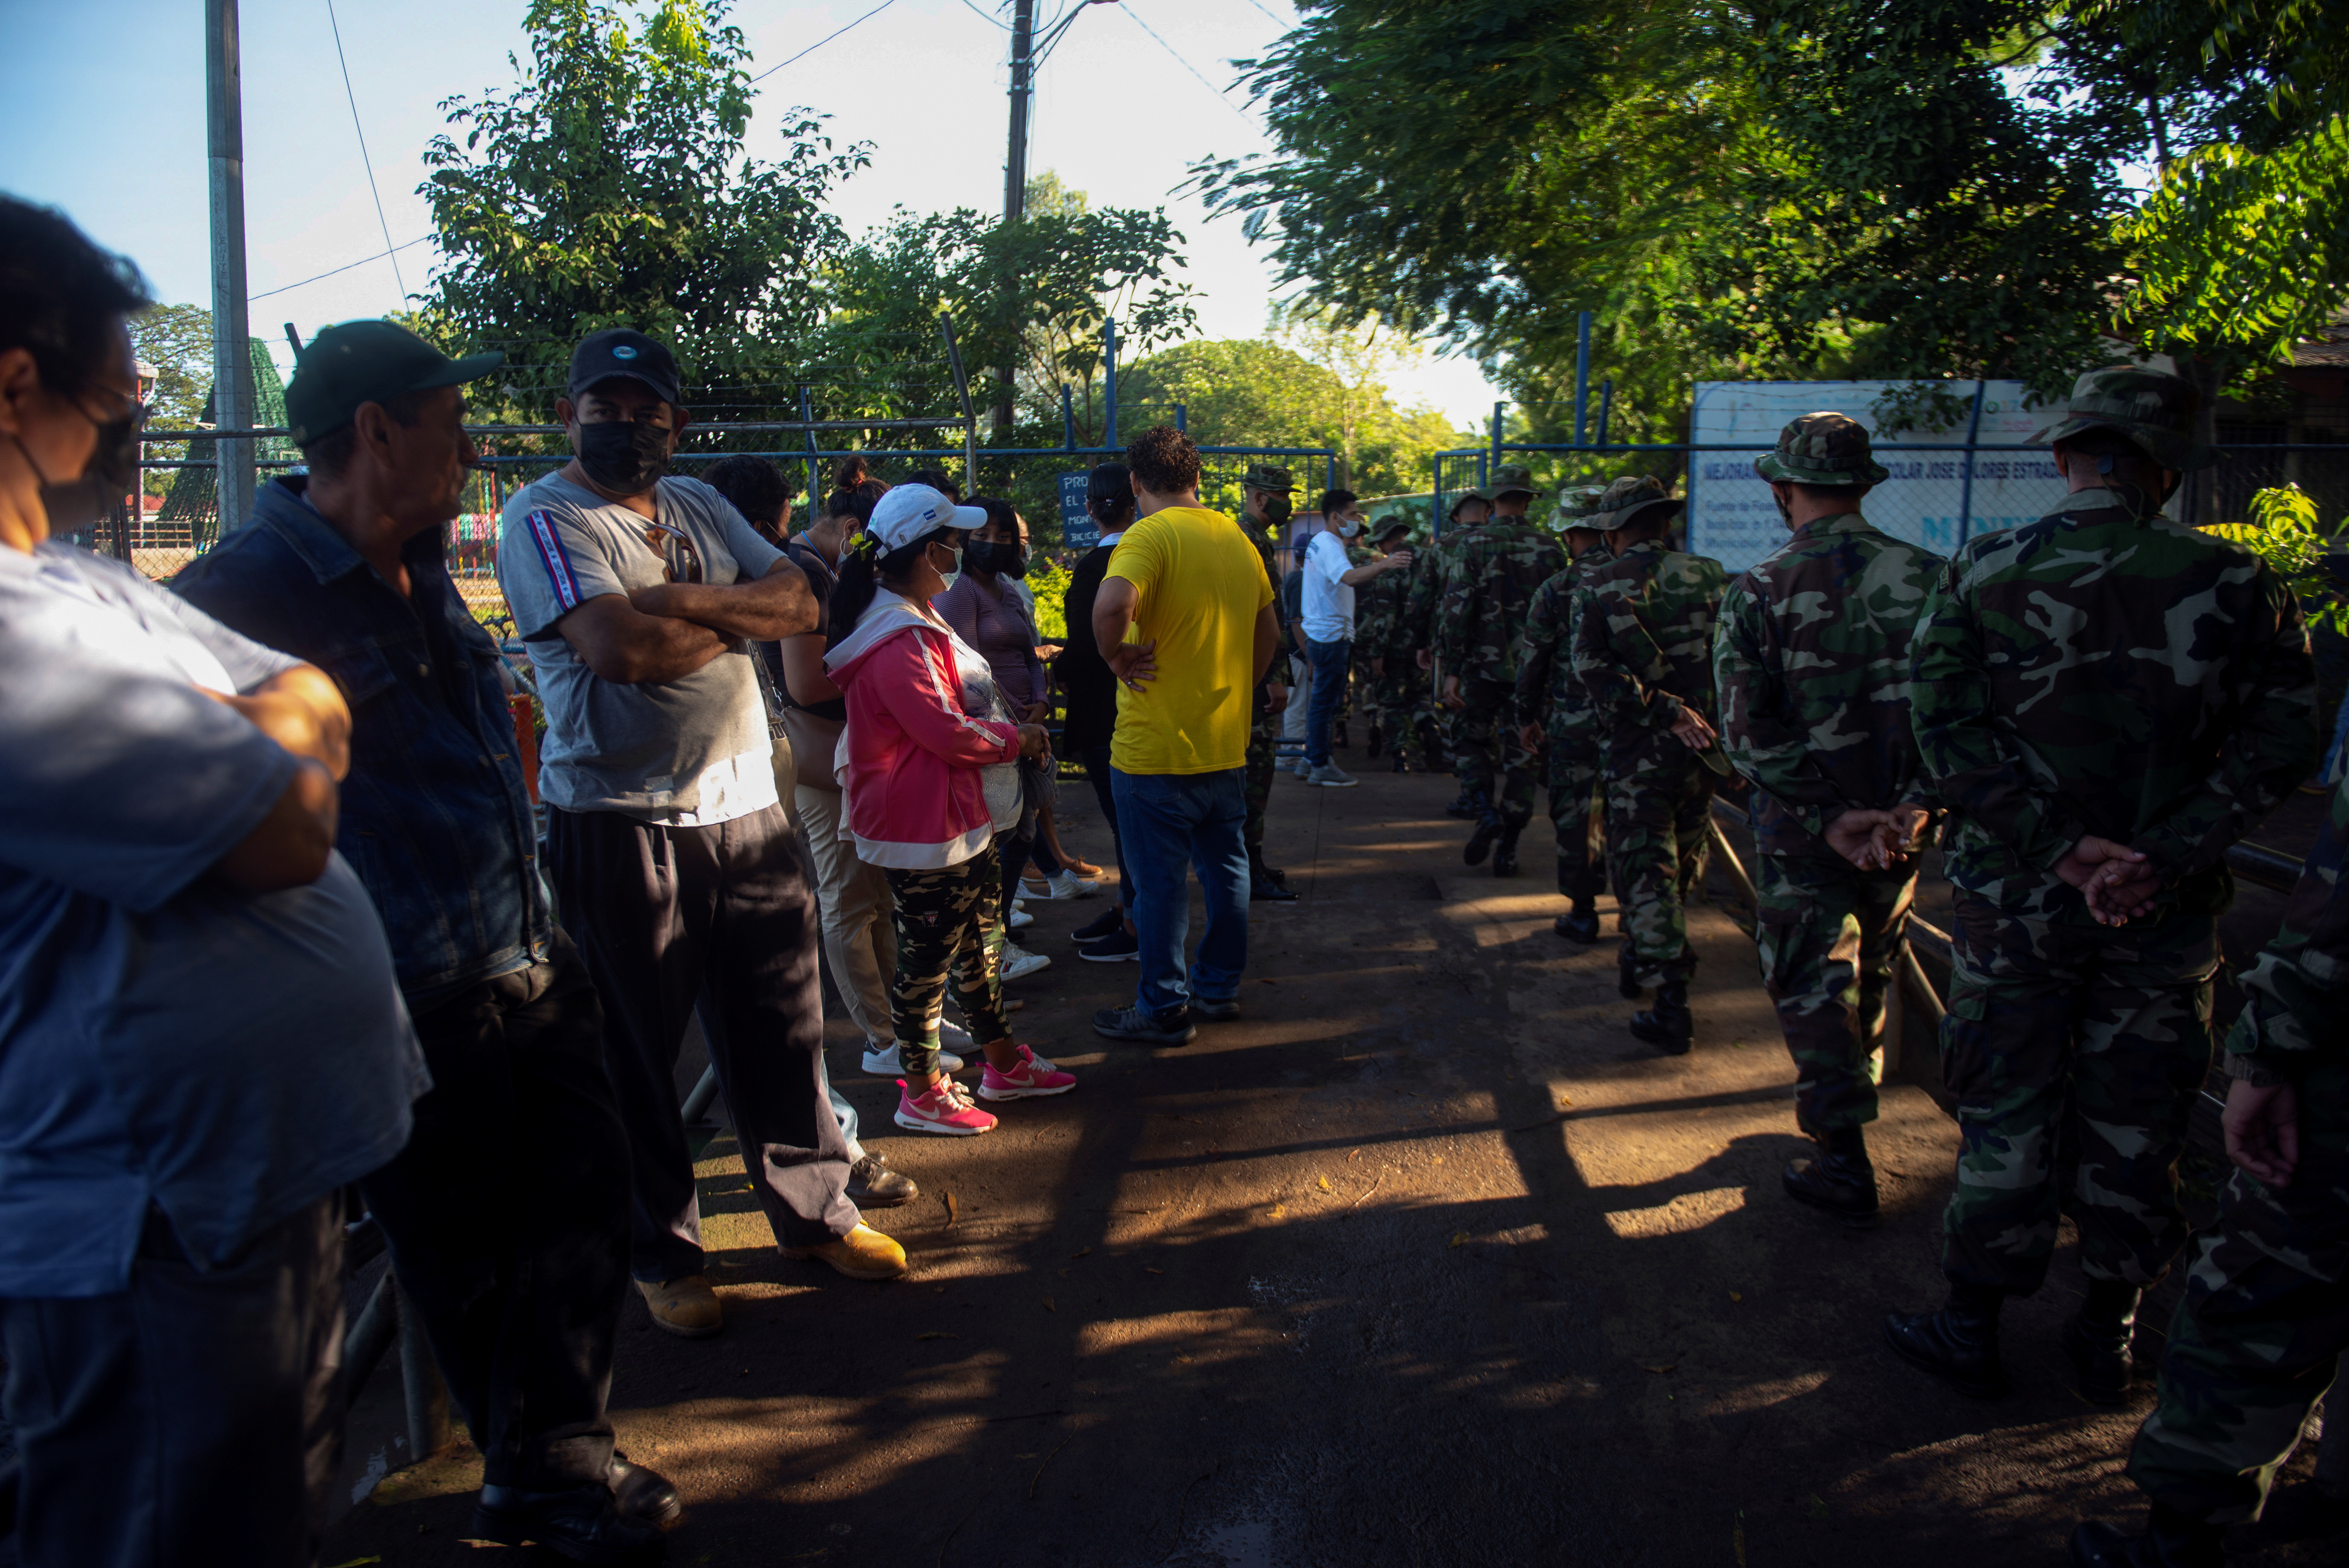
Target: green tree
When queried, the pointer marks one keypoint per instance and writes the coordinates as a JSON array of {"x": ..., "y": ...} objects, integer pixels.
[{"x": 177, "y": 340}]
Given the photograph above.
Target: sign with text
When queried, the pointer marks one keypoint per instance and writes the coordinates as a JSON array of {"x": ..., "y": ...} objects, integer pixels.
[
  {"x": 1078, "y": 530},
  {"x": 1927, "y": 501}
]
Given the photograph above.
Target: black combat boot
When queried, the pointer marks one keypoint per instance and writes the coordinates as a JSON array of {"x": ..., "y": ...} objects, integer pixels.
[
  {"x": 1579, "y": 923},
  {"x": 1487, "y": 830},
  {"x": 1338, "y": 733},
  {"x": 1267, "y": 886},
  {"x": 1669, "y": 1026},
  {"x": 1378, "y": 743},
  {"x": 1431, "y": 745},
  {"x": 1463, "y": 805},
  {"x": 1505, "y": 850},
  {"x": 1957, "y": 1344},
  {"x": 1839, "y": 1177},
  {"x": 2097, "y": 1340},
  {"x": 1627, "y": 972},
  {"x": 2173, "y": 1541}
]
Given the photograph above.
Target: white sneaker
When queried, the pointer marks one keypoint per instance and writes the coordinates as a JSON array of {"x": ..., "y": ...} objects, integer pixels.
[
  {"x": 953, "y": 1037},
  {"x": 1329, "y": 776},
  {"x": 891, "y": 1062},
  {"x": 1020, "y": 918},
  {"x": 1019, "y": 960},
  {"x": 1063, "y": 884}
]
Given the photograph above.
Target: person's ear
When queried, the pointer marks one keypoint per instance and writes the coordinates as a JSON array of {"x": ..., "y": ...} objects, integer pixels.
[
  {"x": 374, "y": 424},
  {"x": 567, "y": 412}
]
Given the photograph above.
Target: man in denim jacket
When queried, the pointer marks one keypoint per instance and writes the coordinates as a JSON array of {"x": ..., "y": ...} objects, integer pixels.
[{"x": 507, "y": 1213}]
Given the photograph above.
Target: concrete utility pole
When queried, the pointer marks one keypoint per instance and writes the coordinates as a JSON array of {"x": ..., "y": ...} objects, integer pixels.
[
  {"x": 1015, "y": 175},
  {"x": 232, "y": 353}
]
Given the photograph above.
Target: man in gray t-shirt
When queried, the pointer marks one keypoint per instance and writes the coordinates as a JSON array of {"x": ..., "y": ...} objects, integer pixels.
[{"x": 638, "y": 596}]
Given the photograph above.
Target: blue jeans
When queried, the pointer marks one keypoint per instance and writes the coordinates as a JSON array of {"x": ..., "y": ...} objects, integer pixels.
[
  {"x": 1330, "y": 661},
  {"x": 1166, "y": 822}
]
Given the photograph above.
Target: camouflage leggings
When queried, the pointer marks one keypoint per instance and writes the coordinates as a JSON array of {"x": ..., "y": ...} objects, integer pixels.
[
  {"x": 1578, "y": 809},
  {"x": 2255, "y": 1341},
  {"x": 943, "y": 919},
  {"x": 1829, "y": 934},
  {"x": 1659, "y": 802},
  {"x": 2074, "y": 1053},
  {"x": 1488, "y": 753}
]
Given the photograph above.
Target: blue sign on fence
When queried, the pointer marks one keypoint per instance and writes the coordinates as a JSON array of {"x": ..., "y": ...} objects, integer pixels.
[{"x": 1078, "y": 530}]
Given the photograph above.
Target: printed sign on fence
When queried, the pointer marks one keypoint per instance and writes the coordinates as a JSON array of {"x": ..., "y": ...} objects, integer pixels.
[
  {"x": 1927, "y": 501},
  {"x": 1078, "y": 531}
]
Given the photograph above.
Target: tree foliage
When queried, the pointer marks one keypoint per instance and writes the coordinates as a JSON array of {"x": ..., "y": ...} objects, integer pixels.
[
  {"x": 2285, "y": 532},
  {"x": 177, "y": 340}
]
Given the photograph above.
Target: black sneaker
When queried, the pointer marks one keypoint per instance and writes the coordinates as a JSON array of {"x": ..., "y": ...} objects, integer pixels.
[
  {"x": 1108, "y": 923},
  {"x": 873, "y": 1185},
  {"x": 1115, "y": 948},
  {"x": 1170, "y": 1028},
  {"x": 1216, "y": 1011}
]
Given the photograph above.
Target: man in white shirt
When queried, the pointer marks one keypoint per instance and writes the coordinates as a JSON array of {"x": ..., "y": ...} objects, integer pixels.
[{"x": 1330, "y": 578}]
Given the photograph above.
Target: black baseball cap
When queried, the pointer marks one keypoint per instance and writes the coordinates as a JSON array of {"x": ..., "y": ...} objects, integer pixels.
[
  {"x": 357, "y": 362},
  {"x": 623, "y": 351}
]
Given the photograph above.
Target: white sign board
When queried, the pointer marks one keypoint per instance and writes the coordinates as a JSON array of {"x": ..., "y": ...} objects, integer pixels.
[{"x": 1926, "y": 502}]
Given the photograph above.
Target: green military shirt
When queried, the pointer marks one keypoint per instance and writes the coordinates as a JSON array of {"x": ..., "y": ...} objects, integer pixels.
[
  {"x": 1643, "y": 637},
  {"x": 2097, "y": 673},
  {"x": 1256, "y": 535},
  {"x": 1548, "y": 692},
  {"x": 1489, "y": 591},
  {"x": 1810, "y": 658},
  {"x": 1424, "y": 606}
]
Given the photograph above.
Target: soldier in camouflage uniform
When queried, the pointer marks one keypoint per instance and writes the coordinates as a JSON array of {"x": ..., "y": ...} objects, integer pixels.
[
  {"x": 1266, "y": 488},
  {"x": 2106, "y": 700},
  {"x": 1811, "y": 659},
  {"x": 1555, "y": 716},
  {"x": 1643, "y": 651},
  {"x": 2266, "y": 1313},
  {"x": 1489, "y": 590},
  {"x": 1397, "y": 687},
  {"x": 1422, "y": 609}
]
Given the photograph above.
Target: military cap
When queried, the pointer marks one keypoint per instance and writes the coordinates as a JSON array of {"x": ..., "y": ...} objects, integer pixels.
[
  {"x": 1575, "y": 505},
  {"x": 1822, "y": 448},
  {"x": 1510, "y": 478},
  {"x": 2152, "y": 407},
  {"x": 1269, "y": 477},
  {"x": 1628, "y": 499}
]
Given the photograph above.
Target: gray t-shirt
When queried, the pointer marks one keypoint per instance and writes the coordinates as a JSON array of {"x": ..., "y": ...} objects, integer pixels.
[
  {"x": 164, "y": 1039},
  {"x": 688, "y": 752}
]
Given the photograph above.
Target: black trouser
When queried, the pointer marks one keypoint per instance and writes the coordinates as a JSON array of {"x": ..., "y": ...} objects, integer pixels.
[
  {"x": 1012, "y": 850},
  {"x": 195, "y": 1418},
  {"x": 724, "y": 917},
  {"x": 1097, "y": 765},
  {"x": 508, "y": 1218}
]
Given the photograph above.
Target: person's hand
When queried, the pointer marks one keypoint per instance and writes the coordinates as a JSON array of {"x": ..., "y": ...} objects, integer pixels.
[
  {"x": 1034, "y": 743},
  {"x": 1530, "y": 735},
  {"x": 1398, "y": 561},
  {"x": 1038, "y": 712},
  {"x": 2262, "y": 1128},
  {"x": 1134, "y": 664},
  {"x": 303, "y": 710},
  {"x": 1857, "y": 836},
  {"x": 1452, "y": 697},
  {"x": 2116, "y": 881},
  {"x": 1691, "y": 731},
  {"x": 1276, "y": 698},
  {"x": 1426, "y": 659},
  {"x": 1048, "y": 651},
  {"x": 1909, "y": 824}
]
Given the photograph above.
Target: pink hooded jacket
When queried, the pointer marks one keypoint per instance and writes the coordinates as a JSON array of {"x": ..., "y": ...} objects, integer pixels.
[{"x": 929, "y": 743}]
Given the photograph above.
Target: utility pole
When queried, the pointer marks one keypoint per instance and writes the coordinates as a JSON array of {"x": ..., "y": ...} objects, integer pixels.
[
  {"x": 1015, "y": 183},
  {"x": 231, "y": 350}
]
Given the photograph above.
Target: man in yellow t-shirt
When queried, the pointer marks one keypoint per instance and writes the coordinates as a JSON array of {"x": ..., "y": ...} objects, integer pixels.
[{"x": 1186, "y": 622}]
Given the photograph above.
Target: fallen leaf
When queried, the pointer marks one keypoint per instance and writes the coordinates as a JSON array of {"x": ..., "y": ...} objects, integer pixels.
[
  {"x": 1080, "y": 1251},
  {"x": 1185, "y": 1359},
  {"x": 1262, "y": 982},
  {"x": 1438, "y": 1159},
  {"x": 1353, "y": 1154},
  {"x": 934, "y": 1334},
  {"x": 950, "y": 1209},
  {"x": 1277, "y": 1211},
  {"x": 1459, "y": 1238},
  {"x": 1817, "y": 1510},
  {"x": 1048, "y": 1304},
  {"x": 1325, "y": 1184},
  {"x": 1667, "y": 1366},
  {"x": 1565, "y": 1101},
  {"x": 1153, "y": 1271},
  {"x": 1735, "y": 1297}
]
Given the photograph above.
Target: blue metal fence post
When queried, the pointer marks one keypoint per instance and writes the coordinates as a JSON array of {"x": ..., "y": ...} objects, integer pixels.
[
  {"x": 1582, "y": 371},
  {"x": 1966, "y": 490},
  {"x": 1108, "y": 380},
  {"x": 1182, "y": 418},
  {"x": 1605, "y": 406}
]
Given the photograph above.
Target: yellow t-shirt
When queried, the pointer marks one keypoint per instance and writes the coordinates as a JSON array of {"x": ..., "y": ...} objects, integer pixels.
[{"x": 1199, "y": 584}]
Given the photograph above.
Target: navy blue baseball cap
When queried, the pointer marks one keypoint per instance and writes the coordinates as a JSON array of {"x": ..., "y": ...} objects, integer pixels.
[
  {"x": 359, "y": 362},
  {"x": 623, "y": 352}
]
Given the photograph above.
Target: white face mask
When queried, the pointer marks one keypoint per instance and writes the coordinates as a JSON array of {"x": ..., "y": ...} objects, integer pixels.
[{"x": 1348, "y": 527}]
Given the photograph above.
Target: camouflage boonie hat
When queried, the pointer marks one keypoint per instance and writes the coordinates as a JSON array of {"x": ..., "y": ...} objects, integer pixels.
[
  {"x": 1269, "y": 477},
  {"x": 1626, "y": 498},
  {"x": 1393, "y": 524},
  {"x": 2152, "y": 407},
  {"x": 1462, "y": 499},
  {"x": 1510, "y": 478},
  {"x": 1822, "y": 448},
  {"x": 1575, "y": 505}
]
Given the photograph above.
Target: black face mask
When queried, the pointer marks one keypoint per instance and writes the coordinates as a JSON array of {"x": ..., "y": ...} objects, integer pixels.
[
  {"x": 622, "y": 456},
  {"x": 1277, "y": 510},
  {"x": 112, "y": 469},
  {"x": 1005, "y": 559}
]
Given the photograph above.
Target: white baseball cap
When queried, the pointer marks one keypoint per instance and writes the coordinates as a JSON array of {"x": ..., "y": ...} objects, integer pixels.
[{"x": 908, "y": 511}]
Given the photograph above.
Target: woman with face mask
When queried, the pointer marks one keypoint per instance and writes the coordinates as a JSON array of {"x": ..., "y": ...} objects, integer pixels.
[{"x": 927, "y": 768}]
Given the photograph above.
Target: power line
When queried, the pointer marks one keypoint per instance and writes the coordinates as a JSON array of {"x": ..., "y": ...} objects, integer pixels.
[
  {"x": 990, "y": 21},
  {"x": 827, "y": 38},
  {"x": 1185, "y": 64},
  {"x": 1260, "y": 5},
  {"x": 390, "y": 250},
  {"x": 346, "y": 266}
]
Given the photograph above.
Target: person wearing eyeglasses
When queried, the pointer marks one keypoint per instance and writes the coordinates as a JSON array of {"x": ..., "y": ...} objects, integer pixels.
[{"x": 639, "y": 595}]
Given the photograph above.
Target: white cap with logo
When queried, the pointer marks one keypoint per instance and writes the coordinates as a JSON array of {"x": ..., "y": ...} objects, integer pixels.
[{"x": 908, "y": 511}]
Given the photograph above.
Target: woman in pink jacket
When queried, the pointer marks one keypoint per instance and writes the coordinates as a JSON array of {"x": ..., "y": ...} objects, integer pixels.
[{"x": 928, "y": 768}]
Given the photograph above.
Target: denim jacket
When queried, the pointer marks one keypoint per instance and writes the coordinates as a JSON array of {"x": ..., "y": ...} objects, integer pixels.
[{"x": 436, "y": 818}]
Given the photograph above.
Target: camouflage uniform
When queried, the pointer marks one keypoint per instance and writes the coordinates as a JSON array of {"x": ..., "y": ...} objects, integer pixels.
[
  {"x": 2095, "y": 672},
  {"x": 2266, "y": 1313},
  {"x": 1811, "y": 660},
  {"x": 1487, "y": 594},
  {"x": 1423, "y": 608},
  {"x": 1264, "y": 725},
  {"x": 1399, "y": 695},
  {"x": 1549, "y": 696},
  {"x": 1643, "y": 650}
]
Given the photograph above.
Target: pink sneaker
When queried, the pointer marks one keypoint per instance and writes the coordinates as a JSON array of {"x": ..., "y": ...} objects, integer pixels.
[
  {"x": 944, "y": 1107},
  {"x": 1032, "y": 1076}
]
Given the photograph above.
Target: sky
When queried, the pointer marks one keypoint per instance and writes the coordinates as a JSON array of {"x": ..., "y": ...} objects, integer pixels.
[{"x": 107, "y": 121}]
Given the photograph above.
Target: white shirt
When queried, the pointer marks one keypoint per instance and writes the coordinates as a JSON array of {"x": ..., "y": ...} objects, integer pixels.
[{"x": 1329, "y": 603}]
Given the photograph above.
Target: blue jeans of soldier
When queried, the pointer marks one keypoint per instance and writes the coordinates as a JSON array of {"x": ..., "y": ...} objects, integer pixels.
[
  {"x": 1167, "y": 822},
  {"x": 1330, "y": 662}
]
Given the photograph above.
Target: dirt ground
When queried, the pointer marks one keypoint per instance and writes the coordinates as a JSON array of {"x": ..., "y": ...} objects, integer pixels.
[{"x": 1423, "y": 1260}]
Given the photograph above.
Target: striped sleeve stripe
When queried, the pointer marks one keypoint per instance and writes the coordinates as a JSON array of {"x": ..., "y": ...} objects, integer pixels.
[{"x": 556, "y": 559}]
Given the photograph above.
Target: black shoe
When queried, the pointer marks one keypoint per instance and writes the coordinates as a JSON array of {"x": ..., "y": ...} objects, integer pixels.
[
  {"x": 873, "y": 1185},
  {"x": 2171, "y": 1542},
  {"x": 1838, "y": 1178},
  {"x": 1215, "y": 1012},
  {"x": 1338, "y": 736},
  {"x": 1117, "y": 947},
  {"x": 1108, "y": 923},
  {"x": 1957, "y": 1344},
  {"x": 639, "y": 1491},
  {"x": 581, "y": 1523},
  {"x": 1627, "y": 973},
  {"x": 1378, "y": 743},
  {"x": 1669, "y": 1026},
  {"x": 1488, "y": 830},
  {"x": 1266, "y": 884},
  {"x": 1579, "y": 924},
  {"x": 1170, "y": 1028},
  {"x": 2097, "y": 1340},
  {"x": 1505, "y": 850},
  {"x": 1464, "y": 806}
]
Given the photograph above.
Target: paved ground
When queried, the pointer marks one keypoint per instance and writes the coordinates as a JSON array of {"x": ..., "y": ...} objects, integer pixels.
[{"x": 1424, "y": 1261}]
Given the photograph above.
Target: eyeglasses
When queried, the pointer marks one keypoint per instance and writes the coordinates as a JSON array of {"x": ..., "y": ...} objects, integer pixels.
[{"x": 677, "y": 551}]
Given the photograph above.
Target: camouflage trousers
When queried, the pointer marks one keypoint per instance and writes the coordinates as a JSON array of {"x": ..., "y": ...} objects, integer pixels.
[
  {"x": 1829, "y": 934},
  {"x": 2257, "y": 1338},
  {"x": 1403, "y": 705},
  {"x": 1264, "y": 735},
  {"x": 944, "y": 917},
  {"x": 1488, "y": 754},
  {"x": 1578, "y": 809},
  {"x": 1659, "y": 803},
  {"x": 2074, "y": 1053}
]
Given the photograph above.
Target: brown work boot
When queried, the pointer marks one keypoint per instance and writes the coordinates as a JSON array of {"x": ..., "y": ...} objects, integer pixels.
[
  {"x": 687, "y": 1307},
  {"x": 862, "y": 1254}
]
